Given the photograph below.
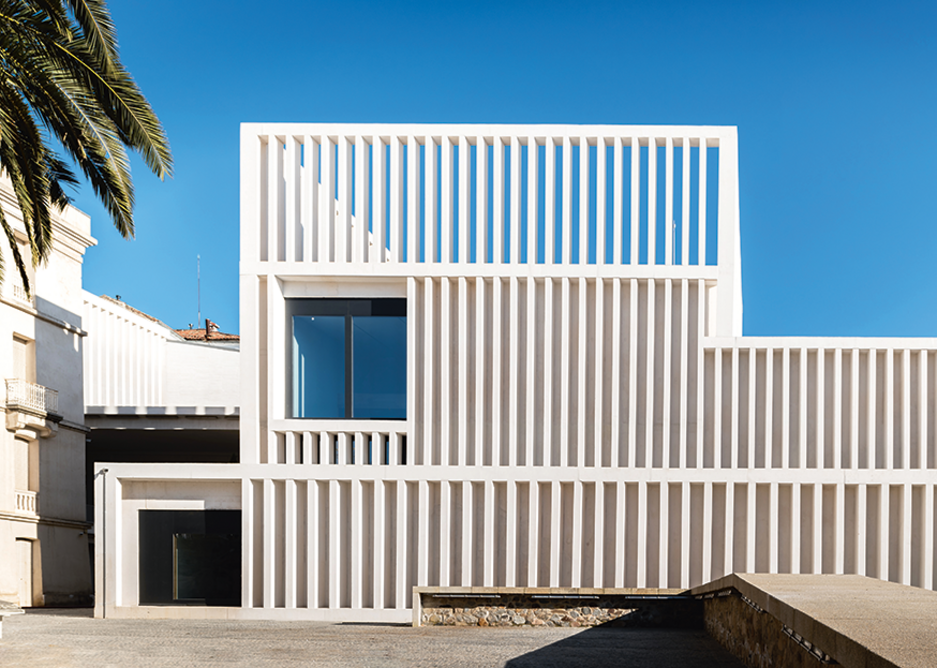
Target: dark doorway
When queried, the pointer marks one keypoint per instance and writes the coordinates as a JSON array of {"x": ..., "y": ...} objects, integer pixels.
[{"x": 190, "y": 557}]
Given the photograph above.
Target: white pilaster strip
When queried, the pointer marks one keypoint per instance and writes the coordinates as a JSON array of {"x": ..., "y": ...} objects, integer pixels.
[
  {"x": 515, "y": 250},
  {"x": 839, "y": 530},
  {"x": 854, "y": 409},
  {"x": 548, "y": 357},
  {"x": 468, "y": 500},
  {"x": 465, "y": 203},
  {"x": 719, "y": 454},
  {"x": 635, "y": 199},
  {"x": 463, "y": 377},
  {"x": 429, "y": 386},
  {"x": 802, "y": 417},
  {"x": 498, "y": 201},
  {"x": 510, "y": 533},
  {"x": 786, "y": 407},
  {"x": 707, "y": 528},
  {"x": 334, "y": 545},
  {"x": 664, "y": 537},
  {"x": 751, "y": 497},
  {"x": 633, "y": 375},
  {"x": 445, "y": 364},
  {"x": 734, "y": 427},
  {"x": 343, "y": 243},
  {"x": 730, "y": 529},
  {"x": 889, "y": 409},
  {"x": 601, "y": 183},
  {"x": 514, "y": 364},
  {"x": 565, "y": 342},
  {"x": 445, "y": 539},
  {"x": 533, "y": 533},
  {"x": 269, "y": 566},
  {"x": 649, "y": 386},
  {"x": 870, "y": 457},
  {"x": 797, "y": 527},
  {"x": 496, "y": 372},
  {"x": 362, "y": 191},
  {"x": 667, "y": 354},
  {"x": 837, "y": 458},
  {"x": 576, "y": 529},
  {"x": 621, "y": 527},
  {"x": 769, "y": 410},
  {"x": 413, "y": 203},
  {"x": 669, "y": 230},
  {"x": 773, "y": 534},
  {"x": 598, "y": 414},
  {"x": 752, "y": 404},
  {"x": 402, "y": 555},
  {"x": 598, "y": 539},
  {"x": 274, "y": 202},
  {"x": 530, "y": 383},
  {"x": 906, "y": 526},
  {"x": 583, "y": 201},
  {"x": 642, "y": 514},
  {"x": 327, "y": 222},
  {"x": 618, "y": 222},
  {"x": 922, "y": 410},
  {"x": 431, "y": 253},
  {"x": 820, "y": 408},
  {"x": 482, "y": 239},
  {"x": 652, "y": 200},
  {"x": 684, "y": 376},
  {"x": 312, "y": 544},
  {"x": 555, "y": 538},
  {"x": 379, "y": 549},
  {"x": 685, "y": 211},
  {"x": 415, "y": 441},
  {"x": 310, "y": 199},
  {"x": 480, "y": 349},
  {"x": 567, "y": 200},
  {"x": 928, "y": 556},
  {"x": 862, "y": 537},
  {"x": 701, "y": 200},
  {"x": 354, "y": 526},
  {"x": 549, "y": 202},
  {"x": 685, "y": 535},
  {"x": 884, "y": 534},
  {"x": 292, "y": 209},
  {"x": 579, "y": 451},
  {"x": 396, "y": 199},
  {"x": 488, "y": 522},
  {"x": 616, "y": 379},
  {"x": 378, "y": 252},
  {"x": 533, "y": 200},
  {"x": 422, "y": 531},
  {"x": 906, "y": 413},
  {"x": 817, "y": 527},
  {"x": 289, "y": 543},
  {"x": 446, "y": 237},
  {"x": 700, "y": 374}
]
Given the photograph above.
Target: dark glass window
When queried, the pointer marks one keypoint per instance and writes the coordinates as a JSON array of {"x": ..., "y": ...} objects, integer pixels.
[{"x": 349, "y": 358}]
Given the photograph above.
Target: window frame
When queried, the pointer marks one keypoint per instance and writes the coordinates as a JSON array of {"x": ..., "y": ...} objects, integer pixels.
[{"x": 349, "y": 308}]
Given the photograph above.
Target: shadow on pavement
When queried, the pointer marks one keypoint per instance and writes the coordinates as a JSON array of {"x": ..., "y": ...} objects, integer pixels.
[{"x": 656, "y": 635}]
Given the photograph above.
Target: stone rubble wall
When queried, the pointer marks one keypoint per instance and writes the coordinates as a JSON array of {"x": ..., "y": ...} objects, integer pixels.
[{"x": 520, "y": 610}]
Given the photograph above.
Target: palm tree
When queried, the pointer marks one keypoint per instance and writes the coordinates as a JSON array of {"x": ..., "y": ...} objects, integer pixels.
[{"x": 61, "y": 77}]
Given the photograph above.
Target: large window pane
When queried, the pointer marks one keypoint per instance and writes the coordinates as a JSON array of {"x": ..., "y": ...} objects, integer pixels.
[
  {"x": 319, "y": 366},
  {"x": 380, "y": 367}
]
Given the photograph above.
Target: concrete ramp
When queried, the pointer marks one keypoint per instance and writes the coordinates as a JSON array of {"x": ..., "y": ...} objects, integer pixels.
[{"x": 806, "y": 620}]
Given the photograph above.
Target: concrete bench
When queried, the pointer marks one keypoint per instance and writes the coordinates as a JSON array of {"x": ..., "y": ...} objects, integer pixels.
[{"x": 534, "y": 606}]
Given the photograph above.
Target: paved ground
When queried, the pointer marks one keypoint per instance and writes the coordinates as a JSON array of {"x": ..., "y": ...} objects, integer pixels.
[{"x": 71, "y": 638}]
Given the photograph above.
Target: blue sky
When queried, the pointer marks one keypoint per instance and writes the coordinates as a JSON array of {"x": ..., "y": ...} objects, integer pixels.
[{"x": 835, "y": 103}]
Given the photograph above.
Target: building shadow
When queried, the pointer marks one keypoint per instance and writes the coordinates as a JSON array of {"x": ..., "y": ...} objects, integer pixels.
[{"x": 661, "y": 634}]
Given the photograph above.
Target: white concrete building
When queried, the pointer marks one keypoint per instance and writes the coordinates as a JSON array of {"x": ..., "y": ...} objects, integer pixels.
[
  {"x": 44, "y": 557},
  {"x": 526, "y": 369}
]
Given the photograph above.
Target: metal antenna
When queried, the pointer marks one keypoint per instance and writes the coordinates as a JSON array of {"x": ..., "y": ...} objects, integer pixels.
[{"x": 198, "y": 274}]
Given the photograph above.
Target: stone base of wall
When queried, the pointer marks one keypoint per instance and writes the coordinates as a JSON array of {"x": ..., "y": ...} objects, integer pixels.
[
  {"x": 527, "y": 610},
  {"x": 754, "y": 636}
]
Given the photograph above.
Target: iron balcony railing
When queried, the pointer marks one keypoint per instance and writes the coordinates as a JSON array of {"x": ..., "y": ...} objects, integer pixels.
[{"x": 23, "y": 394}]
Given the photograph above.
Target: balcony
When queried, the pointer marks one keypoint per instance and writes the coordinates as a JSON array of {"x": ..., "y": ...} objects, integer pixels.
[
  {"x": 20, "y": 295},
  {"x": 27, "y": 503},
  {"x": 32, "y": 410}
]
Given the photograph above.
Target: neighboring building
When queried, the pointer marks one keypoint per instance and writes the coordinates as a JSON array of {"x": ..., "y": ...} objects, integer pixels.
[
  {"x": 527, "y": 370},
  {"x": 155, "y": 394},
  {"x": 44, "y": 556}
]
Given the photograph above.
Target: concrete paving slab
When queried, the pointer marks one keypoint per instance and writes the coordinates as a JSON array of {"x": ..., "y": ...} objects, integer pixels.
[{"x": 71, "y": 638}]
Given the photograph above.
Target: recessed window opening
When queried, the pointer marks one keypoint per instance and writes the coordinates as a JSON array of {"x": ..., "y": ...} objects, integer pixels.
[{"x": 349, "y": 358}]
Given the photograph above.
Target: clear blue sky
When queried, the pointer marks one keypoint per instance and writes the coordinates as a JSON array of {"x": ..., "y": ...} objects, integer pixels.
[{"x": 836, "y": 105}]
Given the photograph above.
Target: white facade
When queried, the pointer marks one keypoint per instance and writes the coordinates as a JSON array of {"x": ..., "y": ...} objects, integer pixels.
[
  {"x": 44, "y": 557},
  {"x": 581, "y": 407}
]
